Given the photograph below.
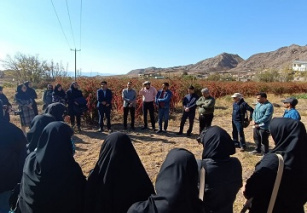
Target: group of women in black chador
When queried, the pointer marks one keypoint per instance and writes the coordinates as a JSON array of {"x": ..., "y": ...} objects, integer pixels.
[
  {"x": 27, "y": 108},
  {"x": 52, "y": 181}
]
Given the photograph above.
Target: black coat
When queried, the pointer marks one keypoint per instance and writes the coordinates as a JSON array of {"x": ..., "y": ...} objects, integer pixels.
[
  {"x": 223, "y": 173},
  {"x": 239, "y": 110},
  {"x": 176, "y": 186},
  {"x": 12, "y": 154},
  {"x": 52, "y": 181},
  {"x": 290, "y": 140},
  {"x": 38, "y": 123},
  {"x": 6, "y": 102},
  {"x": 72, "y": 94},
  {"x": 118, "y": 179}
]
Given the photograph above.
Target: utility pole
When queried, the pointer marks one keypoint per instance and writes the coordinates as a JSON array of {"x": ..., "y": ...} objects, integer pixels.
[{"x": 75, "y": 61}]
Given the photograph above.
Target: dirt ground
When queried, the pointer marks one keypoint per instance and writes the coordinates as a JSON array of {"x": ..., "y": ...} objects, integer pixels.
[{"x": 153, "y": 148}]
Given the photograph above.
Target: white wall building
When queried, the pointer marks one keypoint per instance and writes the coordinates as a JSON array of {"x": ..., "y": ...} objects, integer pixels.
[{"x": 299, "y": 66}]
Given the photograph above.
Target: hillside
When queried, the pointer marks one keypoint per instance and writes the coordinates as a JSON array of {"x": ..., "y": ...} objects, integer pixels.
[
  {"x": 222, "y": 62},
  {"x": 278, "y": 59}
]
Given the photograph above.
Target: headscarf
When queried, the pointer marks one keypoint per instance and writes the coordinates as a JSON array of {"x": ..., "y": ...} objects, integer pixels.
[
  {"x": 21, "y": 94},
  {"x": 57, "y": 92},
  {"x": 31, "y": 92},
  {"x": 291, "y": 142},
  {"x": 217, "y": 144},
  {"x": 52, "y": 181},
  {"x": 176, "y": 186},
  {"x": 118, "y": 179},
  {"x": 38, "y": 123},
  {"x": 56, "y": 110}
]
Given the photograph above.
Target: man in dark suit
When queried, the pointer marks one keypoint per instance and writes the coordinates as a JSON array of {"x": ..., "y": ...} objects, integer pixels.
[
  {"x": 189, "y": 106},
  {"x": 104, "y": 97}
]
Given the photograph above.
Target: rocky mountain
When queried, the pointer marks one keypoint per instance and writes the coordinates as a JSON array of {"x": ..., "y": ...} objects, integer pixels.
[
  {"x": 279, "y": 59},
  {"x": 222, "y": 62}
]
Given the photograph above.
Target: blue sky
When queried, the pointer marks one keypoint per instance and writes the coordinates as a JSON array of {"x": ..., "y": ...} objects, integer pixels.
[{"x": 120, "y": 35}]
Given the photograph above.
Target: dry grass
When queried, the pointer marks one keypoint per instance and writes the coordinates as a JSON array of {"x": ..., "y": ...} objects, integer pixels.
[{"x": 153, "y": 148}]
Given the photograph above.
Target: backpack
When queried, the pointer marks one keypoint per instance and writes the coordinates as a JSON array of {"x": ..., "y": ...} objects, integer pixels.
[{"x": 245, "y": 119}]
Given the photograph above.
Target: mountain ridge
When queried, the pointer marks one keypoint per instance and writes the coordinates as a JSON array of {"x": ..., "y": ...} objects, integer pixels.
[{"x": 278, "y": 59}]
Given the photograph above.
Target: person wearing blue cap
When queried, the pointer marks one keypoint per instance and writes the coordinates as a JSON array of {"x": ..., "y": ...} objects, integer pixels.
[{"x": 290, "y": 111}]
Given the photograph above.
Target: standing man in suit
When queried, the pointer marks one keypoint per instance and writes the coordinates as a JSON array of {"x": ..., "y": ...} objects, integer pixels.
[
  {"x": 189, "y": 106},
  {"x": 104, "y": 97},
  {"x": 149, "y": 93},
  {"x": 162, "y": 100},
  {"x": 129, "y": 97}
]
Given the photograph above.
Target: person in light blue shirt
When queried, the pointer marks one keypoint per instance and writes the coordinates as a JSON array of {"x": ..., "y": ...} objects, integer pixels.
[
  {"x": 129, "y": 98},
  {"x": 262, "y": 117},
  {"x": 290, "y": 111}
]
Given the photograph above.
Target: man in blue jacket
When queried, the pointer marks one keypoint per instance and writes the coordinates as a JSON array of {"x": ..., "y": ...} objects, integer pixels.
[
  {"x": 162, "y": 100},
  {"x": 262, "y": 117},
  {"x": 104, "y": 98},
  {"x": 189, "y": 105},
  {"x": 238, "y": 114},
  {"x": 290, "y": 111}
]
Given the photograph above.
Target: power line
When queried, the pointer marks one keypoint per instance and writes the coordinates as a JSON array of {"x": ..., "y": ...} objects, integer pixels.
[
  {"x": 60, "y": 24},
  {"x": 80, "y": 21},
  {"x": 71, "y": 30}
]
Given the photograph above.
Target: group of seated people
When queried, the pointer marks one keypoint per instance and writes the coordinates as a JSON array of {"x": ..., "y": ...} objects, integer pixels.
[{"x": 52, "y": 181}]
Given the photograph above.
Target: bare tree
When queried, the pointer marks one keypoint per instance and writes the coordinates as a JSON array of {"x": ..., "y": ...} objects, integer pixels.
[{"x": 26, "y": 67}]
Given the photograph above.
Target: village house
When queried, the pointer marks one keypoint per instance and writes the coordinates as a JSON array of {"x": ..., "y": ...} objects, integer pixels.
[{"x": 299, "y": 66}]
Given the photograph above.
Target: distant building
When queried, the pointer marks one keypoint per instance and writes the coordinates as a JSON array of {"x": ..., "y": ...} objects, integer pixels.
[{"x": 299, "y": 66}]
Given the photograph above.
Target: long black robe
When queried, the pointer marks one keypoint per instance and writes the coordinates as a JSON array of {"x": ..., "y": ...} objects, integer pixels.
[
  {"x": 12, "y": 154},
  {"x": 176, "y": 186},
  {"x": 36, "y": 128},
  {"x": 290, "y": 141},
  {"x": 5, "y": 101},
  {"x": 33, "y": 95},
  {"x": 72, "y": 94},
  {"x": 58, "y": 96},
  {"x": 118, "y": 179},
  {"x": 52, "y": 181},
  {"x": 223, "y": 173},
  {"x": 57, "y": 110}
]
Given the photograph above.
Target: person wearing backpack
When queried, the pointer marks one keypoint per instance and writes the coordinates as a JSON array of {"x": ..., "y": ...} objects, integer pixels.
[
  {"x": 289, "y": 137},
  {"x": 240, "y": 108}
]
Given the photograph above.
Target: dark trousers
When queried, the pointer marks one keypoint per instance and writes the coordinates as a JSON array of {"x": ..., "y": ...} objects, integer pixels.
[
  {"x": 74, "y": 117},
  {"x": 34, "y": 106},
  {"x": 237, "y": 129},
  {"x": 149, "y": 106},
  {"x": 191, "y": 116},
  {"x": 132, "y": 114},
  {"x": 261, "y": 136},
  {"x": 163, "y": 115},
  {"x": 104, "y": 111},
  {"x": 205, "y": 121}
]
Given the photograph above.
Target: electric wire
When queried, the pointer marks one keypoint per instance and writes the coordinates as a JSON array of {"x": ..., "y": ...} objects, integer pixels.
[
  {"x": 71, "y": 30},
  {"x": 80, "y": 22},
  {"x": 60, "y": 24}
]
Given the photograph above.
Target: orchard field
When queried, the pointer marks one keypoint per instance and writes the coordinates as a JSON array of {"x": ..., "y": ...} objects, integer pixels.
[{"x": 153, "y": 148}]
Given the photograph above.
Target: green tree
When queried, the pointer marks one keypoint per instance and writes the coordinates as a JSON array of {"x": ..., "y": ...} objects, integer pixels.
[
  {"x": 214, "y": 77},
  {"x": 268, "y": 76}
]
